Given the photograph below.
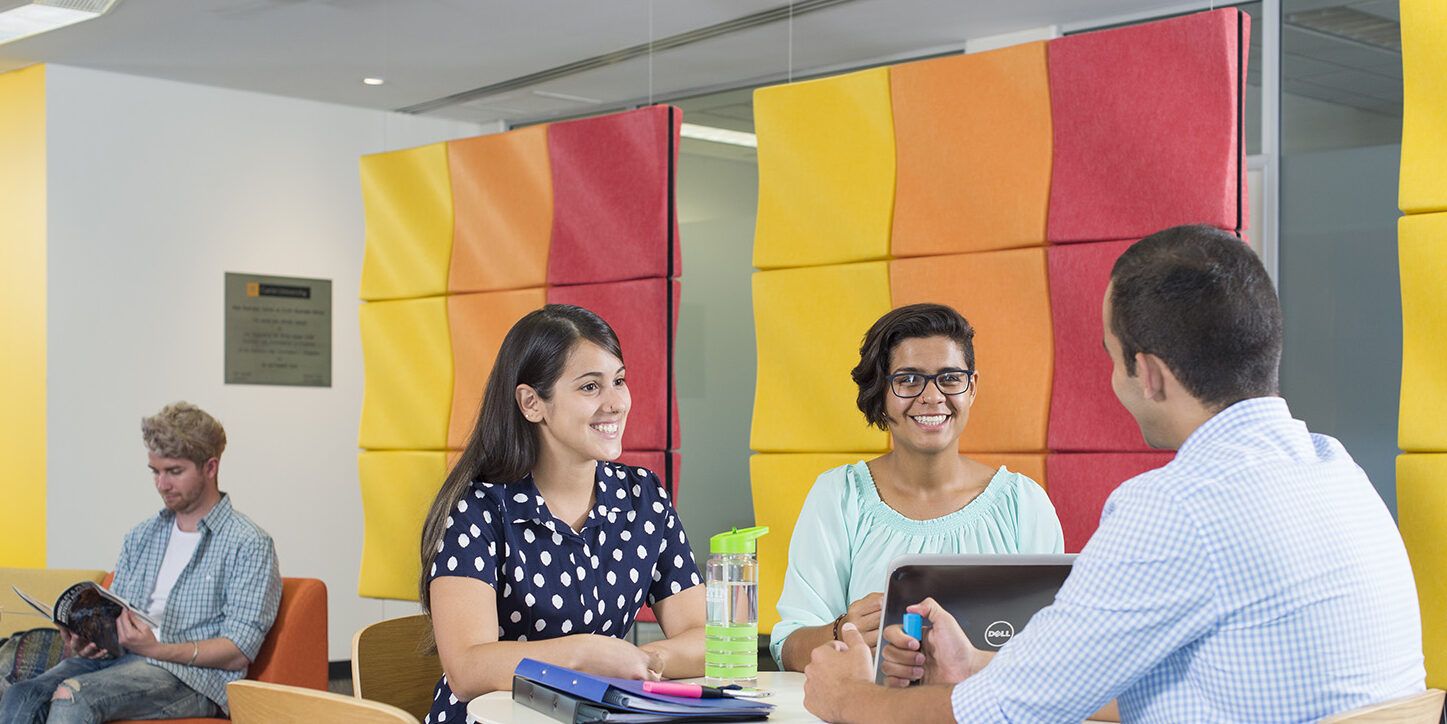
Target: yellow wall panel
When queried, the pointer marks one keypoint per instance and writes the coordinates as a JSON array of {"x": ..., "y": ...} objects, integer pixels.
[
  {"x": 407, "y": 205},
  {"x": 1421, "y": 509},
  {"x": 397, "y": 490},
  {"x": 407, "y": 388},
  {"x": 780, "y": 483},
  {"x": 1424, "y": 110},
  {"x": 808, "y": 325},
  {"x": 1422, "y": 246},
  {"x": 826, "y": 170},
  {"x": 22, "y": 317}
]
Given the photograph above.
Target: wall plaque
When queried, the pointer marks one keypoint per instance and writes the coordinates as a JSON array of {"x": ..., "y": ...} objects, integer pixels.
[{"x": 278, "y": 330}]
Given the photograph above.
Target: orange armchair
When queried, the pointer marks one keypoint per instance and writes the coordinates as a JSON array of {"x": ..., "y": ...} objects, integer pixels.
[{"x": 295, "y": 650}]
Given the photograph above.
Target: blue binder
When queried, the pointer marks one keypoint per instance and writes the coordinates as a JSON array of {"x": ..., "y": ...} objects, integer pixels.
[{"x": 573, "y": 696}]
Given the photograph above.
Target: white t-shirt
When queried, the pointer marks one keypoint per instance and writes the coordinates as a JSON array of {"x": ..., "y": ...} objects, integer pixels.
[{"x": 178, "y": 553}]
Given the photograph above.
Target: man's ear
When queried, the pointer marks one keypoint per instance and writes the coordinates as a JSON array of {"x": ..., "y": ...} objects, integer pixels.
[
  {"x": 529, "y": 403},
  {"x": 210, "y": 468},
  {"x": 1151, "y": 375}
]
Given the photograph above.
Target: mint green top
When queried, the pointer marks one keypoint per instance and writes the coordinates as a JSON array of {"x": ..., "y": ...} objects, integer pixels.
[{"x": 846, "y": 537}]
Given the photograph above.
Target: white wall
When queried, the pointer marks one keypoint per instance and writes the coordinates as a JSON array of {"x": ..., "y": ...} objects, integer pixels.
[{"x": 156, "y": 190}]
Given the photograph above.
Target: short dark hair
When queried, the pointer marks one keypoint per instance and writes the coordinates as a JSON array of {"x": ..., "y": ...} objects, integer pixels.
[
  {"x": 910, "y": 322},
  {"x": 1198, "y": 298}
]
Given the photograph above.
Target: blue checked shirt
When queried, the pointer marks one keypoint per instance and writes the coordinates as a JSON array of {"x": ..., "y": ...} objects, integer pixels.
[
  {"x": 1256, "y": 578},
  {"x": 230, "y": 589}
]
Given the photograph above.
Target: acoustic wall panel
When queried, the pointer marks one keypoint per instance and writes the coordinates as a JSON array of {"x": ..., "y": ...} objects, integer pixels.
[
  {"x": 397, "y": 491},
  {"x": 407, "y": 204},
  {"x": 809, "y": 324},
  {"x": 407, "y": 386},
  {"x": 1422, "y": 249},
  {"x": 1030, "y": 465},
  {"x": 476, "y": 326},
  {"x": 502, "y": 193},
  {"x": 1147, "y": 127},
  {"x": 1005, "y": 297},
  {"x": 1421, "y": 508},
  {"x": 1085, "y": 415},
  {"x": 612, "y": 197},
  {"x": 826, "y": 171},
  {"x": 780, "y": 483},
  {"x": 1424, "y": 108},
  {"x": 638, "y": 313},
  {"x": 1080, "y": 483},
  {"x": 972, "y": 136}
]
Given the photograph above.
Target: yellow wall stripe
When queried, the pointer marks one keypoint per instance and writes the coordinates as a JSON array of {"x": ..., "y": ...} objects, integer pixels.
[{"x": 22, "y": 317}]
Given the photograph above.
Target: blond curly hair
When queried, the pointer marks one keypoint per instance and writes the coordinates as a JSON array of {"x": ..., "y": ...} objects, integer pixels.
[{"x": 183, "y": 430}]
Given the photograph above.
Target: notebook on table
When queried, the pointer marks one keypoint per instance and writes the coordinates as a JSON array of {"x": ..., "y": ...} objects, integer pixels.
[{"x": 572, "y": 696}]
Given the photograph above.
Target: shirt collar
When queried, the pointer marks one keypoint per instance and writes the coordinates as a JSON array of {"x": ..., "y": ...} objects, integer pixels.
[
  {"x": 527, "y": 504},
  {"x": 214, "y": 518},
  {"x": 1246, "y": 413}
]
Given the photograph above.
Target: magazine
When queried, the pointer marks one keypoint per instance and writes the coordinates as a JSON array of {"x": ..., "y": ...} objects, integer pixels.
[{"x": 89, "y": 611}]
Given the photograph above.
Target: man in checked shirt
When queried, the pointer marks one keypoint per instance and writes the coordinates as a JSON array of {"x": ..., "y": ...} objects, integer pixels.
[
  {"x": 206, "y": 572},
  {"x": 1257, "y": 577}
]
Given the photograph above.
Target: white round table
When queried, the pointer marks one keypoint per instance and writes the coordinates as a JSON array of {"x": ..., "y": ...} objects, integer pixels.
[{"x": 788, "y": 701}]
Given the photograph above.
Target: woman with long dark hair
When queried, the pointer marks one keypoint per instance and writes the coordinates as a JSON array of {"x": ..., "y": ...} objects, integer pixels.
[{"x": 538, "y": 547}]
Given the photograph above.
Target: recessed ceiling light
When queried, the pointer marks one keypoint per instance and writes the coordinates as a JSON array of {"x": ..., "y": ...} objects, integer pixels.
[
  {"x": 24, "y": 18},
  {"x": 373, "y": 81}
]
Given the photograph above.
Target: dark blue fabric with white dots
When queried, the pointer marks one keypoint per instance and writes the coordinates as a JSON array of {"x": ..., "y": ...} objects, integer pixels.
[{"x": 552, "y": 582}]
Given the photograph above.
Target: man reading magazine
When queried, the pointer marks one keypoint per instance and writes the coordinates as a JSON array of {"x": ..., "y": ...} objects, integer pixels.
[{"x": 201, "y": 569}]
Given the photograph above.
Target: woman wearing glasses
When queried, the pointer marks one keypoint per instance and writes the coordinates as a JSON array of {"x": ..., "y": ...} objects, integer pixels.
[{"x": 917, "y": 380}]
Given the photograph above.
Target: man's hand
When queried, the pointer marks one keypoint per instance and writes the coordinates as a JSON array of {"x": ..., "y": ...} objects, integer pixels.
[
  {"x": 948, "y": 656},
  {"x": 865, "y": 615},
  {"x": 837, "y": 671},
  {"x": 135, "y": 635},
  {"x": 77, "y": 645}
]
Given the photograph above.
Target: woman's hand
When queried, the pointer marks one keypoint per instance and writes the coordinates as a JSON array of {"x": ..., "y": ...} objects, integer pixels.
[
  {"x": 865, "y": 614},
  {"x": 608, "y": 656}
]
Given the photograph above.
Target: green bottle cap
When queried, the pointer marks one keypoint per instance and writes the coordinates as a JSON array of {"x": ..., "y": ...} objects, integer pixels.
[{"x": 738, "y": 540}]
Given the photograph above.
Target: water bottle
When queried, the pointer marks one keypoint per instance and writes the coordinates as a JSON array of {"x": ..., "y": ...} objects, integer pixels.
[{"x": 731, "y": 637}]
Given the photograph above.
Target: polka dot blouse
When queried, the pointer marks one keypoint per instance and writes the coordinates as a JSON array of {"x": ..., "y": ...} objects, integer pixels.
[{"x": 551, "y": 581}]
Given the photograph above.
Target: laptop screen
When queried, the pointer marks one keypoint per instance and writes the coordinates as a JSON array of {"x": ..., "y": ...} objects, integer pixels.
[{"x": 992, "y": 596}]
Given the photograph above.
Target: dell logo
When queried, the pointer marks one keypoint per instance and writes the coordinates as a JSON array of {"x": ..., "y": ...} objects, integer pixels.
[{"x": 999, "y": 632}]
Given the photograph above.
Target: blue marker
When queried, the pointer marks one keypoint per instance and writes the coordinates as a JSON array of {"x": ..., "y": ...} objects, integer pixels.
[{"x": 914, "y": 626}]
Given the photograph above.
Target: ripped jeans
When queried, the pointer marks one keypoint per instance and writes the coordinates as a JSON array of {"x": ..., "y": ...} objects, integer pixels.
[{"x": 123, "y": 688}]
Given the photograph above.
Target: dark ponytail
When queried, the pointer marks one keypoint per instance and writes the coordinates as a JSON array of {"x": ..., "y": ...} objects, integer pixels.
[{"x": 503, "y": 447}]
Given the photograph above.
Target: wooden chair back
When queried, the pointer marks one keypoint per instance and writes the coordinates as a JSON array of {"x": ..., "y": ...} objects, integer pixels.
[
  {"x": 391, "y": 664},
  {"x": 1423, "y": 708},
  {"x": 260, "y": 702}
]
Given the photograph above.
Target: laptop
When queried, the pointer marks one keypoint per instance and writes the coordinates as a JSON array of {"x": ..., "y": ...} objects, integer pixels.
[{"x": 992, "y": 596}]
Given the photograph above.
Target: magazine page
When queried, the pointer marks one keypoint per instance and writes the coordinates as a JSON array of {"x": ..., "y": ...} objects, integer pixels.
[
  {"x": 38, "y": 606},
  {"x": 140, "y": 614},
  {"x": 90, "y": 615}
]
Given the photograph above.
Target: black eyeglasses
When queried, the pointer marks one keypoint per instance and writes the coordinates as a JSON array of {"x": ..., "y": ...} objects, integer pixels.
[{"x": 912, "y": 384}]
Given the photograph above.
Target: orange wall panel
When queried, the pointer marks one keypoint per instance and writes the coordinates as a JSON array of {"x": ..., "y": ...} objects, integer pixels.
[
  {"x": 477, "y": 324},
  {"x": 972, "y": 147},
  {"x": 502, "y": 196},
  {"x": 1005, "y": 297}
]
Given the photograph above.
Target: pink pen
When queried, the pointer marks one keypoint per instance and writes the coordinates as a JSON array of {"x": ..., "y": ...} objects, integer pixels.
[{"x": 673, "y": 688}]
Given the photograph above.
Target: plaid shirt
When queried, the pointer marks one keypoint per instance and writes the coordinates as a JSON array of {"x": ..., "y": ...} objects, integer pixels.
[
  {"x": 230, "y": 589},
  {"x": 1256, "y": 578}
]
